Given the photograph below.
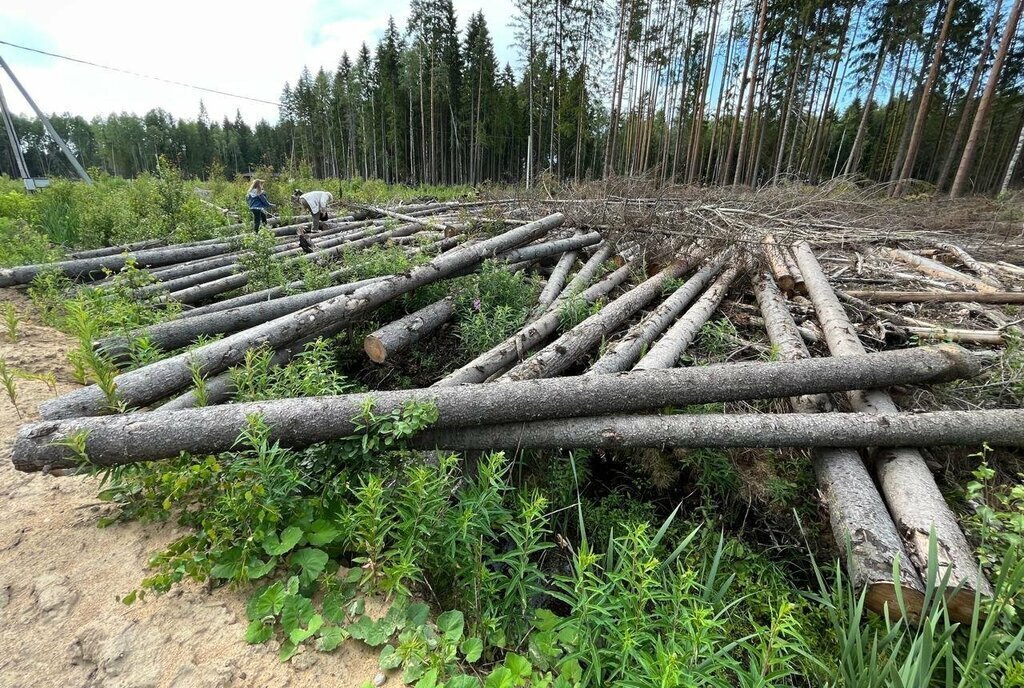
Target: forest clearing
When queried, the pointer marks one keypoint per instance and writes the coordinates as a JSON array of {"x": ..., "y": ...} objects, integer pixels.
[
  {"x": 499, "y": 438},
  {"x": 646, "y": 344}
]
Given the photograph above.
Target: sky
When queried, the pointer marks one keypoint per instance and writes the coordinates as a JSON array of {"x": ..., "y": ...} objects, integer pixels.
[{"x": 249, "y": 48}]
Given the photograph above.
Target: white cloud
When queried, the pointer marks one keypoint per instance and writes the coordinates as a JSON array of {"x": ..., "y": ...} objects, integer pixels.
[{"x": 250, "y": 49}]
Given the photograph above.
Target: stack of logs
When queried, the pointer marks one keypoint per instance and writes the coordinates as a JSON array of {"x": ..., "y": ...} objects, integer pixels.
[{"x": 542, "y": 388}]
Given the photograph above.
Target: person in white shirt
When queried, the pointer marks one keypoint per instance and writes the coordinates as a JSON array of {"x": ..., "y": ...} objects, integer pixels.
[{"x": 315, "y": 203}]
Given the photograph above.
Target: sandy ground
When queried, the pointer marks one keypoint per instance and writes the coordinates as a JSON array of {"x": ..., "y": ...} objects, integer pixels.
[{"x": 61, "y": 623}]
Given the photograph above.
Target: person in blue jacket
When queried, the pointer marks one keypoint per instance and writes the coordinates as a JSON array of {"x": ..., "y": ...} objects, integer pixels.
[{"x": 258, "y": 204}]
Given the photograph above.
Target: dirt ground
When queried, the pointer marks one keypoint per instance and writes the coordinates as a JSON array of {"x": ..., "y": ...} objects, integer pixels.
[{"x": 61, "y": 577}]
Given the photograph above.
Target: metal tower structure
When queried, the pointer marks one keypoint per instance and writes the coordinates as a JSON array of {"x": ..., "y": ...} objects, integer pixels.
[{"x": 12, "y": 137}]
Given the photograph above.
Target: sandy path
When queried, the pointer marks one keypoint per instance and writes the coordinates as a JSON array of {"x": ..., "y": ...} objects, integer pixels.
[{"x": 61, "y": 623}]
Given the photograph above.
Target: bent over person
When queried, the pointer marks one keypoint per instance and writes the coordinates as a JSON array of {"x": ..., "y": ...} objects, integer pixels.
[{"x": 315, "y": 203}]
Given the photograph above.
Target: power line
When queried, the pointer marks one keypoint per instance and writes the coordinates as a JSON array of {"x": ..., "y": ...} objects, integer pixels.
[{"x": 139, "y": 74}]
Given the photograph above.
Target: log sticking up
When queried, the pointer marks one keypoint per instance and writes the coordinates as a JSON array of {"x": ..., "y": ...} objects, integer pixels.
[
  {"x": 145, "y": 385},
  {"x": 856, "y": 511},
  {"x": 133, "y": 437},
  {"x": 624, "y": 354},
  {"x": 777, "y": 264},
  {"x": 670, "y": 347},
  {"x": 571, "y": 346},
  {"x": 937, "y": 269},
  {"x": 914, "y": 500}
]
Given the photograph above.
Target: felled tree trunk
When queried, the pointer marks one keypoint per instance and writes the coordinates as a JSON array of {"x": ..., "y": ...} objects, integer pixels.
[
  {"x": 856, "y": 511},
  {"x": 114, "y": 250},
  {"x": 206, "y": 290},
  {"x": 556, "y": 282},
  {"x": 1001, "y": 427},
  {"x": 141, "y": 387},
  {"x": 552, "y": 248},
  {"x": 406, "y": 331},
  {"x": 779, "y": 268},
  {"x": 589, "y": 270},
  {"x": 513, "y": 349},
  {"x": 937, "y": 269},
  {"x": 986, "y": 274},
  {"x": 915, "y": 502},
  {"x": 175, "y": 334},
  {"x": 24, "y": 274},
  {"x": 1007, "y": 297},
  {"x": 126, "y": 438},
  {"x": 624, "y": 354},
  {"x": 252, "y": 309},
  {"x": 666, "y": 352},
  {"x": 564, "y": 351}
]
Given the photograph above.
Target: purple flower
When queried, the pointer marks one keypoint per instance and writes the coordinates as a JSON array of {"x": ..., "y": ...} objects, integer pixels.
[{"x": 476, "y": 304}]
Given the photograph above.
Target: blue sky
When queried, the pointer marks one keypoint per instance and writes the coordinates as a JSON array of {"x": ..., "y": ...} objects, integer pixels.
[{"x": 250, "y": 48}]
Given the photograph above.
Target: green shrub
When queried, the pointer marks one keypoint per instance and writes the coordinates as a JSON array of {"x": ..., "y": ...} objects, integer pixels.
[{"x": 20, "y": 244}]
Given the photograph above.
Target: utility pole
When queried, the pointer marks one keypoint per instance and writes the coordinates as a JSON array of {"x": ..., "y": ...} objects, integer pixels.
[{"x": 46, "y": 124}]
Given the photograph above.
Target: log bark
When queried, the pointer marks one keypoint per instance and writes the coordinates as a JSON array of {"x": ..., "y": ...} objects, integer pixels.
[
  {"x": 114, "y": 250},
  {"x": 985, "y": 273},
  {"x": 448, "y": 230},
  {"x": 23, "y": 274},
  {"x": 145, "y": 436},
  {"x": 175, "y": 334},
  {"x": 624, "y": 354},
  {"x": 857, "y": 514},
  {"x": 577, "y": 342},
  {"x": 548, "y": 249},
  {"x": 777, "y": 264},
  {"x": 1002, "y": 427},
  {"x": 141, "y": 387},
  {"x": 952, "y": 334},
  {"x": 938, "y": 297},
  {"x": 582, "y": 279},
  {"x": 556, "y": 282},
  {"x": 498, "y": 359},
  {"x": 799, "y": 286},
  {"x": 209, "y": 289},
  {"x": 666, "y": 353},
  {"x": 1010, "y": 268},
  {"x": 406, "y": 331},
  {"x": 937, "y": 269},
  {"x": 915, "y": 502},
  {"x": 253, "y": 309}
]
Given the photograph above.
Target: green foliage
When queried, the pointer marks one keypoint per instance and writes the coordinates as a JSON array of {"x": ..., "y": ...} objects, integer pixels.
[
  {"x": 119, "y": 306},
  {"x": 311, "y": 373},
  {"x": 998, "y": 518},
  {"x": 11, "y": 321},
  {"x": 7, "y": 378},
  {"x": 21, "y": 243},
  {"x": 492, "y": 305},
  {"x": 259, "y": 260},
  {"x": 575, "y": 310}
]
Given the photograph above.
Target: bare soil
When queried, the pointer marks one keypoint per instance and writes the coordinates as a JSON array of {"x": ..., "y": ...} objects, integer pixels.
[{"x": 61, "y": 578}]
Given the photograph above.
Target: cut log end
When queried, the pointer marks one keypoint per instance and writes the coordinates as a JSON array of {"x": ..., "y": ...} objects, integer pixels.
[
  {"x": 882, "y": 595},
  {"x": 375, "y": 349}
]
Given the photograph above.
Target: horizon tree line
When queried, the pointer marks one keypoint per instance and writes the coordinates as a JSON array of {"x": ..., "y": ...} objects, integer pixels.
[{"x": 683, "y": 91}]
